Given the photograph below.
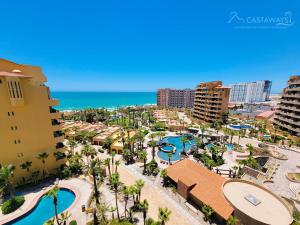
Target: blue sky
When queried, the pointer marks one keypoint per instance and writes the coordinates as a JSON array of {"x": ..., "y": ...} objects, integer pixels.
[{"x": 137, "y": 45}]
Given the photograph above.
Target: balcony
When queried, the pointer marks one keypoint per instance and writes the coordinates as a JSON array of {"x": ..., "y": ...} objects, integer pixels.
[
  {"x": 292, "y": 102},
  {"x": 287, "y": 120},
  {"x": 291, "y": 95},
  {"x": 292, "y": 115},
  {"x": 287, "y": 126},
  {"x": 289, "y": 108}
]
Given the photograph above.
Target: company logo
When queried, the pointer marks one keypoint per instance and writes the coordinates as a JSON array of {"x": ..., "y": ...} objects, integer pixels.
[{"x": 261, "y": 22}]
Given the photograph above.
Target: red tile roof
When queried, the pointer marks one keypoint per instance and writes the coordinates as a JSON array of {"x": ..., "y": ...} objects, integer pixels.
[{"x": 208, "y": 188}]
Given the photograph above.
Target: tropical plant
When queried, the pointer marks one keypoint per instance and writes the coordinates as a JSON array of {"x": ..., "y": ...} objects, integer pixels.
[
  {"x": 143, "y": 156},
  {"x": 116, "y": 184},
  {"x": 169, "y": 157},
  {"x": 232, "y": 220},
  {"x": 164, "y": 215},
  {"x": 184, "y": 140},
  {"x": 107, "y": 143},
  {"x": 107, "y": 163},
  {"x": 12, "y": 204},
  {"x": 207, "y": 211},
  {"x": 73, "y": 144},
  {"x": 153, "y": 145},
  {"x": 145, "y": 206},
  {"x": 6, "y": 175},
  {"x": 139, "y": 184},
  {"x": 163, "y": 175},
  {"x": 52, "y": 193}
]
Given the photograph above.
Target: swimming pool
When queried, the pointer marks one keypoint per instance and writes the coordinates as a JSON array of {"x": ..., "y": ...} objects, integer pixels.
[
  {"x": 239, "y": 126},
  {"x": 176, "y": 141},
  {"x": 228, "y": 146},
  {"x": 44, "y": 209}
]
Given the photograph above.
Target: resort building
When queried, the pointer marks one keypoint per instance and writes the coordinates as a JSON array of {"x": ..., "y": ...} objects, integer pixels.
[
  {"x": 201, "y": 186},
  {"x": 250, "y": 92},
  {"x": 175, "y": 98},
  {"x": 29, "y": 123},
  {"x": 250, "y": 203},
  {"x": 211, "y": 101},
  {"x": 287, "y": 116}
]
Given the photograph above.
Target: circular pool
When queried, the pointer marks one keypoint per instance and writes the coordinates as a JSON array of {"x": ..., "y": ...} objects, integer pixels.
[{"x": 177, "y": 144}]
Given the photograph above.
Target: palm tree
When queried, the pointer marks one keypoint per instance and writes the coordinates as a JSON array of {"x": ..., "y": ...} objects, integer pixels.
[
  {"x": 232, "y": 220},
  {"x": 164, "y": 215},
  {"x": 250, "y": 148},
  {"x": 126, "y": 193},
  {"x": 64, "y": 217},
  {"x": 203, "y": 128},
  {"x": 170, "y": 156},
  {"x": 6, "y": 175},
  {"x": 117, "y": 163},
  {"x": 184, "y": 140},
  {"x": 143, "y": 156},
  {"x": 93, "y": 165},
  {"x": 139, "y": 184},
  {"x": 163, "y": 175},
  {"x": 43, "y": 156},
  {"x": 73, "y": 144},
  {"x": 153, "y": 145},
  {"x": 145, "y": 207},
  {"x": 107, "y": 143},
  {"x": 52, "y": 193},
  {"x": 88, "y": 151},
  {"x": 116, "y": 183},
  {"x": 107, "y": 163}
]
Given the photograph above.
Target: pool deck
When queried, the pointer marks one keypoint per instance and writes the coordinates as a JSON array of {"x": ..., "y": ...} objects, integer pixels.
[{"x": 33, "y": 195}]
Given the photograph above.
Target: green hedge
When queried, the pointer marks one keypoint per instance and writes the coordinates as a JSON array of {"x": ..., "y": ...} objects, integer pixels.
[{"x": 12, "y": 204}]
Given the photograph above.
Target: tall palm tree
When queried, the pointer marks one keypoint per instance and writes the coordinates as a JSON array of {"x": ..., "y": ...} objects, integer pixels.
[
  {"x": 139, "y": 184},
  {"x": 184, "y": 140},
  {"x": 126, "y": 193},
  {"x": 93, "y": 165},
  {"x": 164, "y": 215},
  {"x": 117, "y": 163},
  {"x": 53, "y": 194},
  {"x": 73, "y": 144},
  {"x": 6, "y": 175},
  {"x": 43, "y": 156},
  {"x": 153, "y": 145},
  {"x": 250, "y": 148},
  {"x": 88, "y": 151},
  {"x": 143, "y": 156},
  {"x": 107, "y": 163},
  {"x": 170, "y": 156},
  {"x": 116, "y": 183},
  {"x": 151, "y": 221},
  {"x": 145, "y": 207},
  {"x": 232, "y": 220},
  {"x": 107, "y": 143},
  {"x": 203, "y": 128}
]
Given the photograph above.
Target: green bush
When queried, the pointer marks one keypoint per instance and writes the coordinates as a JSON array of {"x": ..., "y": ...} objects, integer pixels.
[{"x": 12, "y": 204}]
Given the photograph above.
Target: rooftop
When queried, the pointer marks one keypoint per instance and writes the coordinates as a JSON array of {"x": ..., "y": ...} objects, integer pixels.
[
  {"x": 208, "y": 188},
  {"x": 257, "y": 202}
]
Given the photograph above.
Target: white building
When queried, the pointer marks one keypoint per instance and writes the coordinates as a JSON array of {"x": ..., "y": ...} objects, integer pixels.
[{"x": 251, "y": 92}]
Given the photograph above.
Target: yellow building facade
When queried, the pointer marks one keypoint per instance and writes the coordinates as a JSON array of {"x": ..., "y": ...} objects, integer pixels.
[{"x": 28, "y": 123}]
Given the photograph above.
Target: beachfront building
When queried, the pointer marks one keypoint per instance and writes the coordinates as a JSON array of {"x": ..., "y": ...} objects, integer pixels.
[
  {"x": 287, "y": 116},
  {"x": 178, "y": 98},
  {"x": 29, "y": 123},
  {"x": 250, "y": 92},
  {"x": 211, "y": 101}
]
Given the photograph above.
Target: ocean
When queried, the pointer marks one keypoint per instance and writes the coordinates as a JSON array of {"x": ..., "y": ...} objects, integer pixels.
[{"x": 109, "y": 100}]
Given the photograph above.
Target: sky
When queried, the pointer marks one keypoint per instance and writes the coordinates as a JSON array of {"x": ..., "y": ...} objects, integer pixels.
[{"x": 137, "y": 45}]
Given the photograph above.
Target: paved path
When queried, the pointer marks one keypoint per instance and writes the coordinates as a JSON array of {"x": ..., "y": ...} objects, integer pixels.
[{"x": 158, "y": 197}]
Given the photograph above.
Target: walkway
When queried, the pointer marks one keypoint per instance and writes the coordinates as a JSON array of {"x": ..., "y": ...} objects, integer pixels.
[{"x": 159, "y": 197}]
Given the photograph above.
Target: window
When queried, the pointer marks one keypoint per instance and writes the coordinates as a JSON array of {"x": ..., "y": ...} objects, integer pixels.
[
  {"x": 0, "y": 81},
  {"x": 12, "y": 113},
  {"x": 16, "y": 128},
  {"x": 8, "y": 113}
]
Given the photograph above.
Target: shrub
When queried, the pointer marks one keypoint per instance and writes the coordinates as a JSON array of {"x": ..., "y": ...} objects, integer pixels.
[{"x": 12, "y": 204}]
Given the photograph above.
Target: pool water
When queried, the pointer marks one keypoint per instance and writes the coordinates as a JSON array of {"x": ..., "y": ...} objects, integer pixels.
[
  {"x": 228, "y": 146},
  {"x": 167, "y": 148},
  {"x": 176, "y": 141},
  {"x": 44, "y": 209},
  {"x": 240, "y": 126}
]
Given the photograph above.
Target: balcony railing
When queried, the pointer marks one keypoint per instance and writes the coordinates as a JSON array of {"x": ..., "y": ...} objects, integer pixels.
[{"x": 59, "y": 145}]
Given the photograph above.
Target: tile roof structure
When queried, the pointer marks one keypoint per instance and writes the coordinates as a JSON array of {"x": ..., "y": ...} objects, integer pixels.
[{"x": 203, "y": 184}]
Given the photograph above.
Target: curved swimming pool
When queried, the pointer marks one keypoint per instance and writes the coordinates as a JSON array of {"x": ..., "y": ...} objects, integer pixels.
[
  {"x": 176, "y": 141},
  {"x": 44, "y": 209}
]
